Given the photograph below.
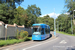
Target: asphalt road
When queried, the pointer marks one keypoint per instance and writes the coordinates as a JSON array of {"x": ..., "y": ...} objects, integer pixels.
[{"x": 61, "y": 42}]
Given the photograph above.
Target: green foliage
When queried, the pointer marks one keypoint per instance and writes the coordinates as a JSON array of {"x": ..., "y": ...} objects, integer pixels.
[
  {"x": 46, "y": 20},
  {"x": 19, "y": 17},
  {"x": 6, "y": 13},
  {"x": 8, "y": 38},
  {"x": 10, "y": 14},
  {"x": 70, "y": 5},
  {"x": 8, "y": 42},
  {"x": 2, "y": 43},
  {"x": 73, "y": 28},
  {"x": 30, "y": 38},
  {"x": 64, "y": 23},
  {"x": 22, "y": 34},
  {"x": 27, "y": 17},
  {"x": 34, "y": 10},
  {"x": 7, "y": 10},
  {"x": 20, "y": 40},
  {"x": 12, "y": 41},
  {"x": 65, "y": 33},
  {"x": 18, "y": 34},
  {"x": 11, "y": 2}
]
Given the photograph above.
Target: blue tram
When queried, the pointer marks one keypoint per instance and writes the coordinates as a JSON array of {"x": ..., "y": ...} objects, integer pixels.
[{"x": 40, "y": 31}]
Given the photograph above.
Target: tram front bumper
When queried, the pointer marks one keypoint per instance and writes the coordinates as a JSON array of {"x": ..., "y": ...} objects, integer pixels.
[{"x": 36, "y": 37}]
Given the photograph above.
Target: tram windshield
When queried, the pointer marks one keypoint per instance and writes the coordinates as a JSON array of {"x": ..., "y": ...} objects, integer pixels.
[{"x": 36, "y": 29}]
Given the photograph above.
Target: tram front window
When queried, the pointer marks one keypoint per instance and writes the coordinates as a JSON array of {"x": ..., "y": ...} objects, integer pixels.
[{"x": 36, "y": 30}]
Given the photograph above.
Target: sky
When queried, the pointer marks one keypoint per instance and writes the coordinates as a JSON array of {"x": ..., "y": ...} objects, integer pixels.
[{"x": 46, "y": 6}]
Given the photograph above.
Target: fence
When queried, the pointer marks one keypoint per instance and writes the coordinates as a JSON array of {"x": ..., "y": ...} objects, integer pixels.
[
  {"x": 2, "y": 30},
  {"x": 12, "y": 30}
]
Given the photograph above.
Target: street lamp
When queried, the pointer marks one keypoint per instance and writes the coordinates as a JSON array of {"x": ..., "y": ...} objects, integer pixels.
[
  {"x": 54, "y": 25},
  {"x": 54, "y": 28}
]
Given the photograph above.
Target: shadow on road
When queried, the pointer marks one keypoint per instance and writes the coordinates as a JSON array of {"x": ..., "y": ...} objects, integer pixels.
[
  {"x": 71, "y": 48},
  {"x": 49, "y": 37}
]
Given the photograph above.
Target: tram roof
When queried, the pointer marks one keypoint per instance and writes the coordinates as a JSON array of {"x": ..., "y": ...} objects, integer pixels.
[{"x": 40, "y": 25}]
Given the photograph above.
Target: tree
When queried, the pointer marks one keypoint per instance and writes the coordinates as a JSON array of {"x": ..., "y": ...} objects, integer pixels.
[
  {"x": 19, "y": 17},
  {"x": 46, "y": 20},
  {"x": 7, "y": 10},
  {"x": 64, "y": 23},
  {"x": 23, "y": 18},
  {"x": 6, "y": 13},
  {"x": 70, "y": 4},
  {"x": 34, "y": 10},
  {"x": 11, "y": 2}
]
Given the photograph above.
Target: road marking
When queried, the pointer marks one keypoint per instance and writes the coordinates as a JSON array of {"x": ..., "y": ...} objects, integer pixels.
[
  {"x": 39, "y": 44},
  {"x": 63, "y": 42}
]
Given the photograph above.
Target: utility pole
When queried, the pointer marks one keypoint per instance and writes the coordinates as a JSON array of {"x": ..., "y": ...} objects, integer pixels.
[{"x": 54, "y": 25}]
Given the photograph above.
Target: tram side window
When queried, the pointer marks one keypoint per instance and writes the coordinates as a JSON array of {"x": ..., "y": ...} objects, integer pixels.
[
  {"x": 49, "y": 31},
  {"x": 42, "y": 31},
  {"x": 46, "y": 30}
]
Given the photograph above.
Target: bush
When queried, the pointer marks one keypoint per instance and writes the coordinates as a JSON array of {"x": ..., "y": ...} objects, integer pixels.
[
  {"x": 22, "y": 34},
  {"x": 2, "y": 43},
  {"x": 20, "y": 40},
  {"x": 18, "y": 34}
]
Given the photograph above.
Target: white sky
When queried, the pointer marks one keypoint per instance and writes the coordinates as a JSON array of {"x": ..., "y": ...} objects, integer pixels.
[{"x": 53, "y": 15}]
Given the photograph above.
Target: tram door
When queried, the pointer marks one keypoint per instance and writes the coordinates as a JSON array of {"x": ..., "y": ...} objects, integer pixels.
[{"x": 42, "y": 33}]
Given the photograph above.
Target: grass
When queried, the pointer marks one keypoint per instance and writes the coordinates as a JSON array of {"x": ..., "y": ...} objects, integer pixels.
[
  {"x": 30, "y": 38},
  {"x": 9, "y": 42},
  {"x": 65, "y": 33},
  {"x": 12, "y": 41}
]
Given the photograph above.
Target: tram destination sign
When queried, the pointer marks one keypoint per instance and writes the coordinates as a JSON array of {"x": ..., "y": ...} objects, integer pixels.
[{"x": 36, "y": 26}]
